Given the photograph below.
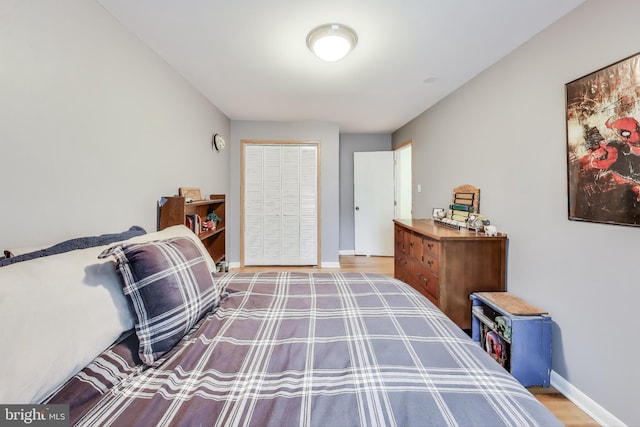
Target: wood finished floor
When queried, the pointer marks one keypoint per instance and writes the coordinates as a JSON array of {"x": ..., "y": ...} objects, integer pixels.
[{"x": 565, "y": 410}]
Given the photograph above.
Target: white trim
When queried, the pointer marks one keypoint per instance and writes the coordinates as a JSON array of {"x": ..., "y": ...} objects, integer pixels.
[
  {"x": 584, "y": 402},
  {"x": 335, "y": 264},
  {"x": 348, "y": 252}
]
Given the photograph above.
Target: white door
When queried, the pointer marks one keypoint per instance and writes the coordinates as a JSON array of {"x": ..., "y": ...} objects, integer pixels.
[
  {"x": 280, "y": 204},
  {"x": 373, "y": 196}
]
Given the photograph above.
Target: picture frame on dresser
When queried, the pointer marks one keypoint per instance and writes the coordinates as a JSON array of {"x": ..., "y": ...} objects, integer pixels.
[
  {"x": 438, "y": 213},
  {"x": 603, "y": 144}
]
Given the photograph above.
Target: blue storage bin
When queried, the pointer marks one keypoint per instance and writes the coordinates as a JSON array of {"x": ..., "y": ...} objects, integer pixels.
[{"x": 516, "y": 334}]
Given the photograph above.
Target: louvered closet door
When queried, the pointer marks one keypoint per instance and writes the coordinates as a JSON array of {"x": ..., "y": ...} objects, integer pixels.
[
  {"x": 308, "y": 205},
  {"x": 253, "y": 202},
  {"x": 280, "y": 205}
]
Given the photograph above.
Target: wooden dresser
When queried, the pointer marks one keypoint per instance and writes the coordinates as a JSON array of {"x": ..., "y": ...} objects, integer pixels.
[{"x": 448, "y": 265}]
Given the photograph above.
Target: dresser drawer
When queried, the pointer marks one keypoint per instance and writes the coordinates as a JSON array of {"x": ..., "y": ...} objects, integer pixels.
[
  {"x": 424, "y": 281},
  {"x": 399, "y": 239},
  {"x": 431, "y": 247},
  {"x": 415, "y": 246},
  {"x": 432, "y": 264},
  {"x": 401, "y": 267}
]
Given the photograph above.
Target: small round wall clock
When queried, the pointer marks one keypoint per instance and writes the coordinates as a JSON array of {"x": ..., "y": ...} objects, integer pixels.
[{"x": 218, "y": 142}]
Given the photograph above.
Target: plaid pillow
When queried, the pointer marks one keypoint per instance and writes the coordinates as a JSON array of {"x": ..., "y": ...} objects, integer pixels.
[{"x": 169, "y": 287}]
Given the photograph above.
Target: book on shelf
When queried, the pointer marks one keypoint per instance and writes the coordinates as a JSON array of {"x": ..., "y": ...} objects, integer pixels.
[{"x": 194, "y": 222}]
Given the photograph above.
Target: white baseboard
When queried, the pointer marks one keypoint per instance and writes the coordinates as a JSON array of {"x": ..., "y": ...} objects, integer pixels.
[
  {"x": 584, "y": 402},
  {"x": 347, "y": 252},
  {"x": 335, "y": 264}
]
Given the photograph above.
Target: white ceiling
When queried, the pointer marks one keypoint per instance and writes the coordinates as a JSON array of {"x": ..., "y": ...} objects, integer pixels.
[{"x": 249, "y": 57}]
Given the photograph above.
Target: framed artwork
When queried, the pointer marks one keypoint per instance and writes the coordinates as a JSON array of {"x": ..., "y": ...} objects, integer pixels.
[{"x": 603, "y": 144}]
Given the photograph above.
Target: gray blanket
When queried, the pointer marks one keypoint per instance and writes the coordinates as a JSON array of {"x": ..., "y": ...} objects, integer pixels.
[
  {"x": 73, "y": 244},
  {"x": 293, "y": 349}
]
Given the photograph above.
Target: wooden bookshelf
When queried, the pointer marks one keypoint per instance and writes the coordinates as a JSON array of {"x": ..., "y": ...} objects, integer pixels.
[{"x": 175, "y": 210}]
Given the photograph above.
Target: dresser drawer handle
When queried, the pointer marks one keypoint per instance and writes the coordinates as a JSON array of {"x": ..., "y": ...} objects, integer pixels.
[
  {"x": 430, "y": 246},
  {"x": 430, "y": 262},
  {"x": 426, "y": 280}
]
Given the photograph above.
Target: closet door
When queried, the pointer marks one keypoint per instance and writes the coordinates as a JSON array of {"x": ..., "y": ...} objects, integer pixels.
[
  {"x": 280, "y": 204},
  {"x": 272, "y": 205},
  {"x": 253, "y": 198},
  {"x": 290, "y": 226},
  {"x": 308, "y": 205}
]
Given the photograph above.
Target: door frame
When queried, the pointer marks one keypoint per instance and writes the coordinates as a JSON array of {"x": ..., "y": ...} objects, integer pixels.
[
  {"x": 244, "y": 143},
  {"x": 403, "y": 145}
]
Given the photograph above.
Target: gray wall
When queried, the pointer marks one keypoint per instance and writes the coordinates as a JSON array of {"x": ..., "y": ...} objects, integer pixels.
[
  {"x": 94, "y": 126},
  {"x": 504, "y": 132},
  {"x": 349, "y": 144},
  {"x": 327, "y": 136}
]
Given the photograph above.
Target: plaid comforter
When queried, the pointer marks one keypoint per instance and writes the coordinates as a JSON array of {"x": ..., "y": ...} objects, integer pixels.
[{"x": 297, "y": 349}]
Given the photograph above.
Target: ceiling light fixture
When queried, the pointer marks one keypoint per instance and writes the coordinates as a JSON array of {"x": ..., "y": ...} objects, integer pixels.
[{"x": 331, "y": 42}]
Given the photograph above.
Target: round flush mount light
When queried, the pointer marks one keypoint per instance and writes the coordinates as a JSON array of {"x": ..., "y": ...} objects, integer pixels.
[{"x": 331, "y": 42}]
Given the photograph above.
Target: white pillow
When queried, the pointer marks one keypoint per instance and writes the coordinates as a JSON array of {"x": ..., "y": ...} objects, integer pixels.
[{"x": 60, "y": 312}]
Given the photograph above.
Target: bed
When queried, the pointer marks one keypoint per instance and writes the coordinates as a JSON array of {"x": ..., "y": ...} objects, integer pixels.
[{"x": 284, "y": 349}]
